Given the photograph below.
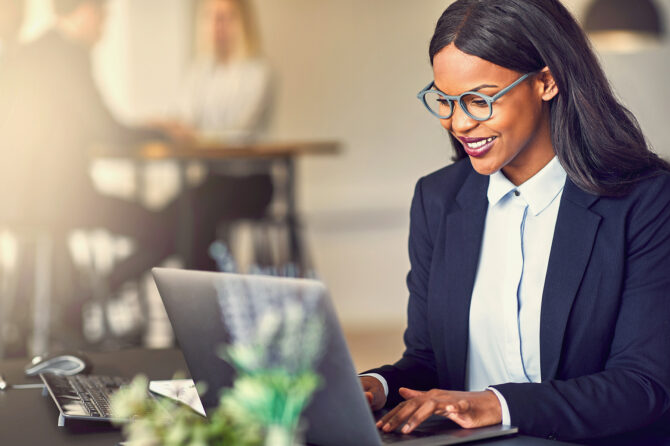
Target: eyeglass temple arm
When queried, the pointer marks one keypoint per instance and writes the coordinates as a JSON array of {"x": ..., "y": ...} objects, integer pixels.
[{"x": 514, "y": 84}]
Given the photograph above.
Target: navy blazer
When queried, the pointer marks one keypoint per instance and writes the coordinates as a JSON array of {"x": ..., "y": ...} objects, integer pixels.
[{"x": 605, "y": 315}]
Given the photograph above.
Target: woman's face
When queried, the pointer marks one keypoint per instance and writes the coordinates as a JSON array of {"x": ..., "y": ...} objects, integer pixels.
[
  {"x": 519, "y": 127},
  {"x": 226, "y": 24}
]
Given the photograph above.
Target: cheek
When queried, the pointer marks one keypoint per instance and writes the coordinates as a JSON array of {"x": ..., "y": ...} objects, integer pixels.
[
  {"x": 446, "y": 123},
  {"x": 518, "y": 123}
]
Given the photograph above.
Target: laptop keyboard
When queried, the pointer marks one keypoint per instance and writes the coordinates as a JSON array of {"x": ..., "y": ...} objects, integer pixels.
[{"x": 83, "y": 396}]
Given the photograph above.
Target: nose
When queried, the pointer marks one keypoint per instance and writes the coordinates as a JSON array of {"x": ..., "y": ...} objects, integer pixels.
[{"x": 459, "y": 122}]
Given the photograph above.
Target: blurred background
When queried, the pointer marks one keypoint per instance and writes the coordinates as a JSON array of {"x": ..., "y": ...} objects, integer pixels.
[{"x": 185, "y": 72}]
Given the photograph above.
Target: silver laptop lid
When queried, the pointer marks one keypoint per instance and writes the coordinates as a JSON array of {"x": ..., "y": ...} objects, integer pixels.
[{"x": 338, "y": 414}]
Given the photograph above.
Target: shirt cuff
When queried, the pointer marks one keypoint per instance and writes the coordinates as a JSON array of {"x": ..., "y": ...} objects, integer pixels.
[
  {"x": 503, "y": 406},
  {"x": 381, "y": 379}
]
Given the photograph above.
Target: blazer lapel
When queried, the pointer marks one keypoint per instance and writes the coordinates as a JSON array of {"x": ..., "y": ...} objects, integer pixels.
[
  {"x": 463, "y": 236},
  {"x": 575, "y": 232}
]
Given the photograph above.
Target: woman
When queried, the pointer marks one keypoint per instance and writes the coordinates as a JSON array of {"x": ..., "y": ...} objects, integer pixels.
[
  {"x": 226, "y": 99},
  {"x": 540, "y": 260},
  {"x": 226, "y": 96}
]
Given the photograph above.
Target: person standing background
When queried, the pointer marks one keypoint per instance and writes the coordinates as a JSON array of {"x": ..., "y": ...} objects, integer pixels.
[
  {"x": 51, "y": 116},
  {"x": 11, "y": 19}
]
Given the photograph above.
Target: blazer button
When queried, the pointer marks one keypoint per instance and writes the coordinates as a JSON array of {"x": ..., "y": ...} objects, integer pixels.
[{"x": 551, "y": 437}]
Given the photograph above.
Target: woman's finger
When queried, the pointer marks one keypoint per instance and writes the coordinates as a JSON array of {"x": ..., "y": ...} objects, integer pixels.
[
  {"x": 409, "y": 393},
  {"x": 369, "y": 397},
  {"x": 460, "y": 419},
  {"x": 398, "y": 419},
  {"x": 463, "y": 406},
  {"x": 462, "y": 414},
  {"x": 419, "y": 416},
  {"x": 460, "y": 406},
  {"x": 383, "y": 420}
]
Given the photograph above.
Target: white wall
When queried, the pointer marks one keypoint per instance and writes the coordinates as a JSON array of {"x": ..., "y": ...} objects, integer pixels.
[
  {"x": 142, "y": 57},
  {"x": 349, "y": 70}
]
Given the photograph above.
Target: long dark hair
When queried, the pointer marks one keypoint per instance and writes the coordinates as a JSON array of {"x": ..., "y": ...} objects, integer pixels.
[{"x": 597, "y": 140}]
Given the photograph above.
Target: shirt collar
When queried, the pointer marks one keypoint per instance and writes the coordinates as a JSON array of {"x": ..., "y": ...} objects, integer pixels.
[{"x": 539, "y": 191}]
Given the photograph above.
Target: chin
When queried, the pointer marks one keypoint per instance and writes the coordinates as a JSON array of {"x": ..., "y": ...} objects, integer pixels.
[{"x": 483, "y": 167}]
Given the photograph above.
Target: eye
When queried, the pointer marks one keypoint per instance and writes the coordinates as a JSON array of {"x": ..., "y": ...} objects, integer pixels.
[{"x": 473, "y": 101}]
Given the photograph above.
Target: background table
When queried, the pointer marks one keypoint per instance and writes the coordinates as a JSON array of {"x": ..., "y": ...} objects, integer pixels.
[{"x": 280, "y": 153}]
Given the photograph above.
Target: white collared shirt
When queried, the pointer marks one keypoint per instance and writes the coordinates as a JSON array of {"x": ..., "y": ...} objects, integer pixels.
[
  {"x": 504, "y": 335},
  {"x": 225, "y": 101},
  {"x": 504, "y": 325}
]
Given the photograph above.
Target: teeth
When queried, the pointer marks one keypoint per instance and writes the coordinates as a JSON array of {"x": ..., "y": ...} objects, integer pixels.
[{"x": 478, "y": 144}]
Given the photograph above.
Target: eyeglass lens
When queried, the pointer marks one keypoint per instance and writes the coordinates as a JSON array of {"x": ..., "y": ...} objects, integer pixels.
[{"x": 475, "y": 105}]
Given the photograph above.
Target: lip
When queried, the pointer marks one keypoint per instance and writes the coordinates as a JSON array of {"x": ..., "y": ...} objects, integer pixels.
[{"x": 478, "y": 152}]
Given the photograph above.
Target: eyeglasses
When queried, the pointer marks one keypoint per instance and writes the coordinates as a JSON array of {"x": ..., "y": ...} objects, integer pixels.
[{"x": 476, "y": 105}]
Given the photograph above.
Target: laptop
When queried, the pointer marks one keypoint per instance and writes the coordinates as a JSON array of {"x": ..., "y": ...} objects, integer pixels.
[{"x": 338, "y": 413}]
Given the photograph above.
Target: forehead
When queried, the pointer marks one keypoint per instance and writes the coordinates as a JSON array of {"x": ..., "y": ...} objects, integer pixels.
[
  {"x": 222, "y": 6},
  {"x": 456, "y": 72}
]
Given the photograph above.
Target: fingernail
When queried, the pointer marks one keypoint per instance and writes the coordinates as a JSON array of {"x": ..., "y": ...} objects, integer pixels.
[
  {"x": 405, "y": 429},
  {"x": 450, "y": 408},
  {"x": 387, "y": 427}
]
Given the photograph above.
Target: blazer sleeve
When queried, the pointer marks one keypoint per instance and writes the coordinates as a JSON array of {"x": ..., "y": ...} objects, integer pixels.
[
  {"x": 633, "y": 389},
  {"x": 416, "y": 369}
]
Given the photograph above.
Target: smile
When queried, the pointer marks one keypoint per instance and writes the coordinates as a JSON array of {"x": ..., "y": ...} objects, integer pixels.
[
  {"x": 480, "y": 143},
  {"x": 477, "y": 147}
]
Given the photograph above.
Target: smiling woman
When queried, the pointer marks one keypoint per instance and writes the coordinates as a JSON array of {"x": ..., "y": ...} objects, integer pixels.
[
  {"x": 539, "y": 260},
  {"x": 598, "y": 141}
]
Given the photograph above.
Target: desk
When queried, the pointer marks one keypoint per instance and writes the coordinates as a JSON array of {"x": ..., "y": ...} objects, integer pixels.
[
  {"x": 283, "y": 154},
  {"x": 28, "y": 418}
]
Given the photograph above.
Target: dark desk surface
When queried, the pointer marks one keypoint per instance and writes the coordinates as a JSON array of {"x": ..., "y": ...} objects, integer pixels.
[{"x": 28, "y": 418}]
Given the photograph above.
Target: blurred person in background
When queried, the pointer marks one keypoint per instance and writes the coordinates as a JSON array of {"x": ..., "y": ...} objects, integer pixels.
[
  {"x": 226, "y": 98},
  {"x": 51, "y": 115},
  {"x": 11, "y": 19}
]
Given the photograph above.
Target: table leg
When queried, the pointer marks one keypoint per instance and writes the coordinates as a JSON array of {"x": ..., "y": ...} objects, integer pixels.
[
  {"x": 296, "y": 248},
  {"x": 42, "y": 309},
  {"x": 185, "y": 224}
]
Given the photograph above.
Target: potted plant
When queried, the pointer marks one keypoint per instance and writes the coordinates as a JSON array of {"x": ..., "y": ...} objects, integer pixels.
[{"x": 275, "y": 342}]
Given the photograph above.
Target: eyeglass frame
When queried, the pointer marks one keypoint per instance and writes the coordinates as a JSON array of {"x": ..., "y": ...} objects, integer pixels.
[{"x": 458, "y": 99}]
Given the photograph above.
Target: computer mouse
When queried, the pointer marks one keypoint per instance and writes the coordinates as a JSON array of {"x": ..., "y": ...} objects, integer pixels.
[{"x": 63, "y": 364}]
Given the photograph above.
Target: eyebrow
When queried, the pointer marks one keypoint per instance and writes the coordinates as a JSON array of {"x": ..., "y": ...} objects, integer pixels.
[
  {"x": 477, "y": 88},
  {"x": 483, "y": 86}
]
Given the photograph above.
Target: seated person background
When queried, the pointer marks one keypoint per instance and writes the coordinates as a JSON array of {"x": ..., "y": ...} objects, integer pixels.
[
  {"x": 226, "y": 95},
  {"x": 226, "y": 98}
]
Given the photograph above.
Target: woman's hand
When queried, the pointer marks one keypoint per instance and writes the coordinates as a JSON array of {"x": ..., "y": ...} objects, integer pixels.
[
  {"x": 374, "y": 392},
  {"x": 178, "y": 132},
  {"x": 468, "y": 409}
]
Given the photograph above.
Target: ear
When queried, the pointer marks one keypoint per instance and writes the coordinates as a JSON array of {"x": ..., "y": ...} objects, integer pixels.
[{"x": 549, "y": 89}]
